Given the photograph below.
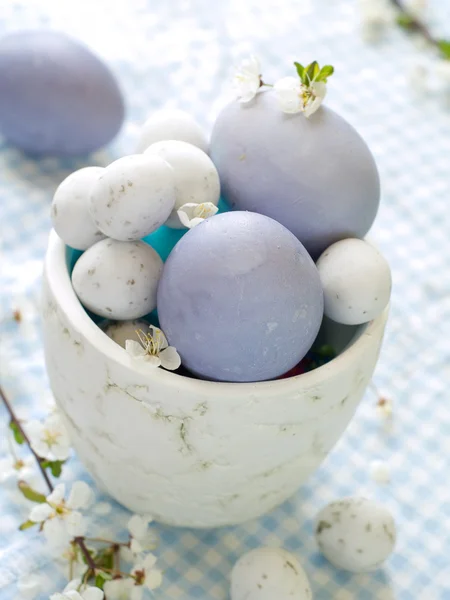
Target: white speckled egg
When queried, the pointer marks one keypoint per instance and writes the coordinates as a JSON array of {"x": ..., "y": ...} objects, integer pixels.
[
  {"x": 269, "y": 574},
  {"x": 118, "y": 280},
  {"x": 70, "y": 209},
  {"x": 121, "y": 331},
  {"x": 133, "y": 197},
  {"x": 196, "y": 177},
  {"x": 356, "y": 281},
  {"x": 170, "y": 124},
  {"x": 355, "y": 534}
]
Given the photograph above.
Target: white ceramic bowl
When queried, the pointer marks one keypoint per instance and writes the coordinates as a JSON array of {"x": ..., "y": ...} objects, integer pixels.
[{"x": 189, "y": 452}]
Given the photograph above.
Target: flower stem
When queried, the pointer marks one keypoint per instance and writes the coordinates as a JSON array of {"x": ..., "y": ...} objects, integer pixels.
[
  {"x": 16, "y": 421},
  {"x": 103, "y": 541},
  {"x": 415, "y": 24}
]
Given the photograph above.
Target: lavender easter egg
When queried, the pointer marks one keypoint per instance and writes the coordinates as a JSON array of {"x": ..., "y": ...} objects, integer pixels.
[
  {"x": 240, "y": 298},
  {"x": 316, "y": 175},
  {"x": 56, "y": 96}
]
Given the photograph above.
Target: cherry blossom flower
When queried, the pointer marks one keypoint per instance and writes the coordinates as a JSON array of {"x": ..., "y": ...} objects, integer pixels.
[
  {"x": 49, "y": 439},
  {"x": 76, "y": 591},
  {"x": 191, "y": 213},
  {"x": 154, "y": 349},
  {"x": 247, "y": 79},
  {"x": 141, "y": 538},
  {"x": 16, "y": 469},
  {"x": 61, "y": 519},
  {"x": 295, "y": 97}
]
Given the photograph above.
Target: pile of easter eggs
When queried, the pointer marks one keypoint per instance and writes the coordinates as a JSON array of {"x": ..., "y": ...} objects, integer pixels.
[{"x": 242, "y": 294}]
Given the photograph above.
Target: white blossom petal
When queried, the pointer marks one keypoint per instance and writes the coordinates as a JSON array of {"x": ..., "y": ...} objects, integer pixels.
[
  {"x": 57, "y": 496},
  {"x": 81, "y": 495},
  {"x": 136, "y": 593},
  {"x": 29, "y": 586},
  {"x": 126, "y": 554},
  {"x": 137, "y": 526},
  {"x": 159, "y": 337},
  {"x": 72, "y": 595},
  {"x": 136, "y": 547},
  {"x": 319, "y": 90},
  {"x": 148, "y": 563},
  {"x": 191, "y": 213},
  {"x": 288, "y": 91},
  {"x": 92, "y": 593},
  {"x": 76, "y": 524},
  {"x": 56, "y": 533},
  {"x": 153, "y": 579},
  {"x": 118, "y": 589},
  {"x": 170, "y": 359},
  {"x": 247, "y": 79},
  {"x": 40, "y": 513},
  {"x": 58, "y": 596},
  {"x": 6, "y": 469},
  {"x": 73, "y": 584},
  {"x": 134, "y": 349}
]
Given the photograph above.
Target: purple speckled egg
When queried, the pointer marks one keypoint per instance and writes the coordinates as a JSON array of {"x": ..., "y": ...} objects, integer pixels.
[
  {"x": 240, "y": 298},
  {"x": 56, "y": 96},
  {"x": 315, "y": 175}
]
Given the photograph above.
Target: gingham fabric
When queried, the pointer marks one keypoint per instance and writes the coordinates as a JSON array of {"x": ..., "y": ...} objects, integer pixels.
[{"x": 180, "y": 53}]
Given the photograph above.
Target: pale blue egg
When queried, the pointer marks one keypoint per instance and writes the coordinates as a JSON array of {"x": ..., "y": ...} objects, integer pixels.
[
  {"x": 240, "y": 298},
  {"x": 315, "y": 175},
  {"x": 56, "y": 97}
]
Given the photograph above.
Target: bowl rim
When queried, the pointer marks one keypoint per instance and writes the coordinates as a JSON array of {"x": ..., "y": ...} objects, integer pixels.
[{"x": 57, "y": 275}]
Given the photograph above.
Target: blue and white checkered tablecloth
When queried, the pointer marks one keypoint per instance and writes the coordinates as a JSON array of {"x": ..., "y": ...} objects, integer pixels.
[{"x": 180, "y": 53}]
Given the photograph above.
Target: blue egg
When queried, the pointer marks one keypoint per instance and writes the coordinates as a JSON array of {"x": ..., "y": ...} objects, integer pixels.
[
  {"x": 240, "y": 298},
  {"x": 316, "y": 176},
  {"x": 56, "y": 97}
]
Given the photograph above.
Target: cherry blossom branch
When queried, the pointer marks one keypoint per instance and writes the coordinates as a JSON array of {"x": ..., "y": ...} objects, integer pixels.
[
  {"x": 16, "y": 422},
  {"x": 408, "y": 20},
  {"x": 79, "y": 541}
]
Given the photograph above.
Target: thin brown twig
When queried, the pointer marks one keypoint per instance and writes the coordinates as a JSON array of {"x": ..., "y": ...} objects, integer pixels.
[
  {"x": 415, "y": 24},
  {"x": 16, "y": 421}
]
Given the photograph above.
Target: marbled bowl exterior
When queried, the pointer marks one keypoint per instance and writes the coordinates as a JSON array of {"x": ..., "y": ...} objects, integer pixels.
[{"x": 192, "y": 453}]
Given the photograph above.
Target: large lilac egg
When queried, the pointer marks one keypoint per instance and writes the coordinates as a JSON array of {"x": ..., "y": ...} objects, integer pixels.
[
  {"x": 240, "y": 298},
  {"x": 56, "y": 97},
  {"x": 314, "y": 175}
]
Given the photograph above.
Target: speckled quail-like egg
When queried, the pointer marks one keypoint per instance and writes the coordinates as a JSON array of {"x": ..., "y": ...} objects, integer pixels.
[
  {"x": 355, "y": 534},
  {"x": 70, "y": 209},
  {"x": 133, "y": 197},
  {"x": 269, "y": 574},
  {"x": 121, "y": 331},
  {"x": 118, "y": 280},
  {"x": 240, "y": 298},
  {"x": 172, "y": 124},
  {"x": 196, "y": 177},
  {"x": 356, "y": 281}
]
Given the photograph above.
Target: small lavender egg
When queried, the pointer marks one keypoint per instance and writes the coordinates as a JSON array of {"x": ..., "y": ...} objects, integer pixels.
[
  {"x": 121, "y": 331},
  {"x": 269, "y": 574},
  {"x": 133, "y": 197},
  {"x": 56, "y": 96},
  {"x": 70, "y": 209},
  {"x": 356, "y": 281},
  {"x": 355, "y": 534},
  {"x": 173, "y": 124},
  {"x": 118, "y": 280},
  {"x": 196, "y": 177},
  {"x": 240, "y": 298}
]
